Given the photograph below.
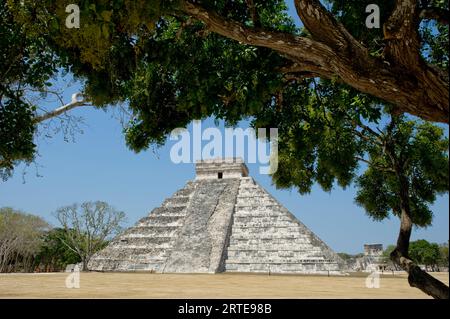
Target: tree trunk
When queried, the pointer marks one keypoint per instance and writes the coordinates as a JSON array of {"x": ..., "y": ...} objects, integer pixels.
[
  {"x": 84, "y": 263},
  {"x": 416, "y": 276}
]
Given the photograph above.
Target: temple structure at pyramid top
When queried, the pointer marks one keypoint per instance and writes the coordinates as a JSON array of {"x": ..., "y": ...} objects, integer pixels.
[
  {"x": 222, "y": 221},
  {"x": 220, "y": 168}
]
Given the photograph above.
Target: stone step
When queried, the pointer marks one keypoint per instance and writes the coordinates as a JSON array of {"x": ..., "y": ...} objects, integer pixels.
[
  {"x": 185, "y": 191},
  {"x": 178, "y": 201},
  {"x": 155, "y": 245},
  {"x": 268, "y": 237},
  {"x": 136, "y": 259},
  {"x": 132, "y": 238},
  {"x": 249, "y": 186},
  {"x": 282, "y": 243},
  {"x": 247, "y": 181},
  {"x": 257, "y": 213},
  {"x": 167, "y": 211},
  {"x": 180, "y": 215},
  {"x": 253, "y": 234},
  {"x": 264, "y": 220},
  {"x": 289, "y": 240},
  {"x": 245, "y": 185},
  {"x": 282, "y": 254},
  {"x": 284, "y": 268},
  {"x": 258, "y": 226},
  {"x": 265, "y": 207},
  {"x": 154, "y": 240},
  {"x": 260, "y": 250},
  {"x": 175, "y": 220},
  {"x": 254, "y": 201},
  {"x": 124, "y": 260},
  {"x": 265, "y": 251},
  {"x": 275, "y": 260},
  {"x": 145, "y": 267},
  {"x": 119, "y": 265},
  {"x": 145, "y": 231},
  {"x": 149, "y": 235},
  {"x": 246, "y": 191},
  {"x": 271, "y": 246}
]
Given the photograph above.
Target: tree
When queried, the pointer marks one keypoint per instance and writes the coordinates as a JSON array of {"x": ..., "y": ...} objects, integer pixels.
[
  {"x": 443, "y": 260},
  {"x": 323, "y": 139},
  {"x": 175, "y": 61},
  {"x": 387, "y": 252},
  {"x": 54, "y": 255},
  {"x": 424, "y": 253},
  {"x": 392, "y": 63},
  {"x": 27, "y": 66},
  {"x": 387, "y": 257},
  {"x": 21, "y": 236},
  {"x": 408, "y": 168},
  {"x": 346, "y": 257},
  {"x": 19, "y": 67},
  {"x": 88, "y": 226}
]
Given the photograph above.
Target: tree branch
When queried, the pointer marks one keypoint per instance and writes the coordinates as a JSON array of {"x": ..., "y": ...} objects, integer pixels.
[
  {"x": 381, "y": 168},
  {"x": 368, "y": 129},
  {"x": 366, "y": 138},
  {"x": 63, "y": 109},
  {"x": 305, "y": 68},
  {"x": 334, "y": 54},
  {"x": 401, "y": 34},
  {"x": 300, "y": 76},
  {"x": 299, "y": 48},
  {"x": 438, "y": 14},
  {"x": 325, "y": 28},
  {"x": 76, "y": 251},
  {"x": 253, "y": 13}
]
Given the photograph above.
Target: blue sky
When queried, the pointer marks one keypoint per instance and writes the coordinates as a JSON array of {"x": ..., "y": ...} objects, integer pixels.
[{"x": 98, "y": 166}]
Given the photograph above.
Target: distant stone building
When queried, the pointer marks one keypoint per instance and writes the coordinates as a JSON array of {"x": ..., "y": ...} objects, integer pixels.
[
  {"x": 373, "y": 250},
  {"x": 222, "y": 221},
  {"x": 372, "y": 260}
]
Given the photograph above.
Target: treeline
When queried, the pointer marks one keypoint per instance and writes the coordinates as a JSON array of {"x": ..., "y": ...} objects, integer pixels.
[
  {"x": 431, "y": 256},
  {"x": 21, "y": 240},
  {"x": 28, "y": 243}
]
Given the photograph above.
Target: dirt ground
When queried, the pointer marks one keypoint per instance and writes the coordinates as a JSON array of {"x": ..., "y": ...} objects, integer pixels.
[{"x": 144, "y": 285}]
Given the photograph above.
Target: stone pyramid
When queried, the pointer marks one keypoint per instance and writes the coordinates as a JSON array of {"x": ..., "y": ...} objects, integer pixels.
[{"x": 222, "y": 221}]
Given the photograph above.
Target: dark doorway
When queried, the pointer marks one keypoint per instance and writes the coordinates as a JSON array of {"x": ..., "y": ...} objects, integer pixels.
[{"x": 219, "y": 175}]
